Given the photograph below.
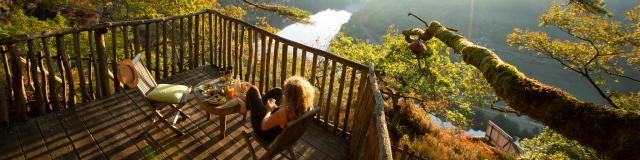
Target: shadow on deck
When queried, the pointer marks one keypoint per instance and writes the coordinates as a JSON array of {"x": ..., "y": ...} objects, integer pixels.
[{"x": 112, "y": 128}]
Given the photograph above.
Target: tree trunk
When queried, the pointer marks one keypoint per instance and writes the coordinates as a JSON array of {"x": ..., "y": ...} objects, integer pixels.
[{"x": 612, "y": 132}]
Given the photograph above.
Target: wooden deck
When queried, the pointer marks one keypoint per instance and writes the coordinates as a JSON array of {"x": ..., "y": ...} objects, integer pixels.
[{"x": 111, "y": 128}]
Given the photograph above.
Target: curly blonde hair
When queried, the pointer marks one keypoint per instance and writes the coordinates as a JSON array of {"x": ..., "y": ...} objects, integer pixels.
[{"x": 298, "y": 95}]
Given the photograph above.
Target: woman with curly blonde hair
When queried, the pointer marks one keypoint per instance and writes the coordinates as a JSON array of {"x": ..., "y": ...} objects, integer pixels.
[{"x": 279, "y": 106}]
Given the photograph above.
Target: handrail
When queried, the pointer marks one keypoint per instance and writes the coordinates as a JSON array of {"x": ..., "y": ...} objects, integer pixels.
[{"x": 384, "y": 143}]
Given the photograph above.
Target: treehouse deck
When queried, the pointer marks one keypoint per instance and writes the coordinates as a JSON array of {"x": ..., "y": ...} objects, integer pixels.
[
  {"x": 111, "y": 128},
  {"x": 66, "y": 103}
]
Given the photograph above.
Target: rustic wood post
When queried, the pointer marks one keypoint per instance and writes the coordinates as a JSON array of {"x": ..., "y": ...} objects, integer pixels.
[
  {"x": 147, "y": 45},
  {"x": 165, "y": 64},
  {"x": 4, "y": 105},
  {"x": 190, "y": 41},
  {"x": 37, "y": 89},
  {"x": 329, "y": 94},
  {"x": 78, "y": 56},
  {"x": 7, "y": 71},
  {"x": 347, "y": 111},
  {"x": 67, "y": 70},
  {"x": 125, "y": 39},
  {"x": 95, "y": 92},
  {"x": 53, "y": 90},
  {"x": 182, "y": 49},
  {"x": 157, "y": 46},
  {"x": 196, "y": 43},
  {"x": 105, "y": 88},
  {"x": 211, "y": 38},
  {"x": 114, "y": 58},
  {"x": 18, "y": 85}
]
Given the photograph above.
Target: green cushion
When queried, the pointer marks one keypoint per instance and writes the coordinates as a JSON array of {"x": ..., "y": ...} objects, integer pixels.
[{"x": 168, "y": 93}]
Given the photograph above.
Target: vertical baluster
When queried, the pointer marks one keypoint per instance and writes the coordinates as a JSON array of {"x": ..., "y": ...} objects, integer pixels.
[
  {"x": 276, "y": 51},
  {"x": 136, "y": 41},
  {"x": 78, "y": 58},
  {"x": 102, "y": 62},
  {"x": 327, "y": 106},
  {"x": 267, "y": 63},
  {"x": 228, "y": 52},
  {"x": 223, "y": 43},
  {"x": 53, "y": 90},
  {"x": 211, "y": 38},
  {"x": 60, "y": 49},
  {"x": 114, "y": 58},
  {"x": 324, "y": 78},
  {"x": 283, "y": 67},
  {"x": 250, "y": 60},
  {"x": 18, "y": 85},
  {"x": 219, "y": 40},
  {"x": 157, "y": 46},
  {"x": 237, "y": 50},
  {"x": 7, "y": 71},
  {"x": 314, "y": 64},
  {"x": 241, "y": 52},
  {"x": 37, "y": 89},
  {"x": 44, "y": 80},
  {"x": 404, "y": 152},
  {"x": 165, "y": 64},
  {"x": 196, "y": 43},
  {"x": 347, "y": 110},
  {"x": 294, "y": 62},
  {"x": 181, "y": 41},
  {"x": 303, "y": 62},
  {"x": 255, "y": 55},
  {"x": 4, "y": 104},
  {"x": 92, "y": 65},
  {"x": 67, "y": 70},
  {"x": 263, "y": 50},
  {"x": 125, "y": 39},
  {"x": 203, "y": 41},
  {"x": 174, "y": 47},
  {"x": 336, "y": 117},
  {"x": 147, "y": 45}
]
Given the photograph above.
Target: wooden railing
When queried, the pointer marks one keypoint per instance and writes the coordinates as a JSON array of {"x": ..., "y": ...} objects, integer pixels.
[{"x": 84, "y": 58}]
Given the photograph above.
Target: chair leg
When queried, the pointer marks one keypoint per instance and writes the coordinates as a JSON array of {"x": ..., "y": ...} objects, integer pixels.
[
  {"x": 162, "y": 119},
  {"x": 247, "y": 135}
]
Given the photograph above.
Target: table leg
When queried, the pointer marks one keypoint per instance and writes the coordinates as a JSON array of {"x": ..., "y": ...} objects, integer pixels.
[{"x": 223, "y": 125}]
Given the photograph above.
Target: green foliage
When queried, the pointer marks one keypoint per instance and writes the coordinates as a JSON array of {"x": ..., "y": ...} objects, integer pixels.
[
  {"x": 19, "y": 23},
  {"x": 551, "y": 145},
  {"x": 445, "y": 86},
  {"x": 600, "y": 49},
  {"x": 141, "y": 9}
]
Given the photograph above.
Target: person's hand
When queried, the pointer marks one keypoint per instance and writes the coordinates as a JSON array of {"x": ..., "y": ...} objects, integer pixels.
[{"x": 271, "y": 104}]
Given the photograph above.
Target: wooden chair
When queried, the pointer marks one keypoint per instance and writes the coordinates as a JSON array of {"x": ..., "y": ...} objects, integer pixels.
[
  {"x": 289, "y": 136},
  {"x": 144, "y": 82}
]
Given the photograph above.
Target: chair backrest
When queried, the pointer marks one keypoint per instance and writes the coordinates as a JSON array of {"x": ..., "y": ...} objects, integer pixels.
[
  {"x": 145, "y": 80},
  {"x": 292, "y": 132}
]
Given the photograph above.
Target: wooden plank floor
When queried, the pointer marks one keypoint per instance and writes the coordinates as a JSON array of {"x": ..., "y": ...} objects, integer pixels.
[{"x": 112, "y": 128}]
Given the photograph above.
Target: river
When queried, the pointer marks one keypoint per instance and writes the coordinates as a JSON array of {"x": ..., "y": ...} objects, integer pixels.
[{"x": 486, "y": 22}]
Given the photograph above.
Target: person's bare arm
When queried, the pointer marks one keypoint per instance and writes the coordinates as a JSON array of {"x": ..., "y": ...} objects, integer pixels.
[{"x": 270, "y": 120}]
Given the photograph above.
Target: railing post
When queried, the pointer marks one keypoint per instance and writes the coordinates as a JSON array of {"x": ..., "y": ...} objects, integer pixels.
[
  {"x": 18, "y": 85},
  {"x": 51, "y": 77},
  {"x": 105, "y": 88},
  {"x": 67, "y": 70},
  {"x": 37, "y": 89}
]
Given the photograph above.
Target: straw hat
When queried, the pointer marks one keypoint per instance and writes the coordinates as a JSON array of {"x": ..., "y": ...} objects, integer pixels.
[{"x": 127, "y": 73}]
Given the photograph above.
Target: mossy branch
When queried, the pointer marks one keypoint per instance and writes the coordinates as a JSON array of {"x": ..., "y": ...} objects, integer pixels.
[
  {"x": 292, "y": 13},
  {"x": 612, "y": 132}
]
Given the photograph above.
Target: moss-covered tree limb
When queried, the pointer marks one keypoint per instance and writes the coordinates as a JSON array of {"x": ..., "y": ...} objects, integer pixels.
[
  {"x": 612, "y": 132},
  {"x": 292, "y": 13}
]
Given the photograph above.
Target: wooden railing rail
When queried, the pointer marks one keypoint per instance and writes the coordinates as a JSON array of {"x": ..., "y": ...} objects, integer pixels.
[{"x": 348, "y": 98}]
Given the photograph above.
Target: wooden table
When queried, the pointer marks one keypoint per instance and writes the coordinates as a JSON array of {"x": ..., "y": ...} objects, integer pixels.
[{"x": 222, "y": 110}]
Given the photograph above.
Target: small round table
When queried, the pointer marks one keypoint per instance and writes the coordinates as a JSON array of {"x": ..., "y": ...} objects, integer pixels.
[{"x": 223, "y": 109}]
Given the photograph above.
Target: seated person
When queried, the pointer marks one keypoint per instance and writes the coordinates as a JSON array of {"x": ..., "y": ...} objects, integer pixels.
[{"x": 267, "y": 119}]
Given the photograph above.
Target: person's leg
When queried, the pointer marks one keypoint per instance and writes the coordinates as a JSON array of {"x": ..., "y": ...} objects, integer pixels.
[{"x": 255, "y": 105}]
